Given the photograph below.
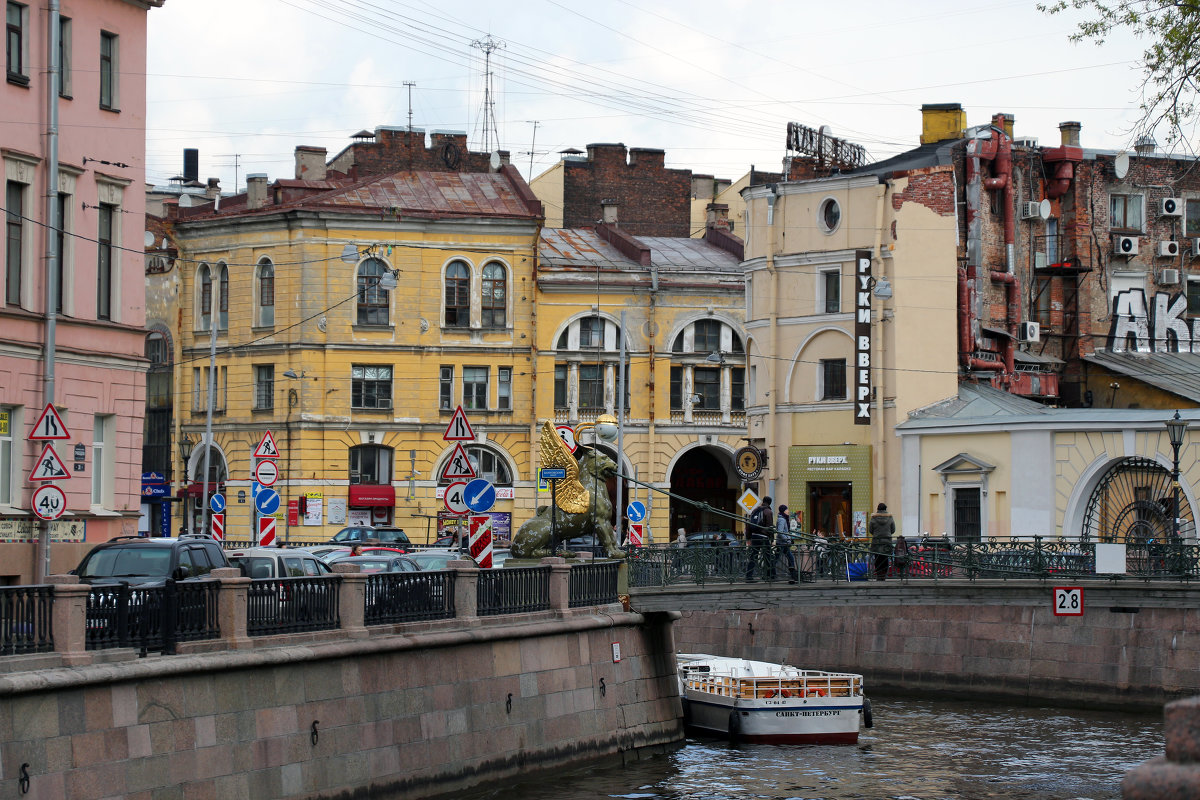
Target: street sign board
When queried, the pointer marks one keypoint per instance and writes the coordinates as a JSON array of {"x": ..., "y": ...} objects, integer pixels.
[
  {"x": 267, "y": 501},
  {"x": 480, "y": 495},
  {"x": 635, "y": 534},
  {"x": 459, "y": 430},
  {"x": 49, "y": 502},
  {"x": 49, "y": 425},
  {"x": 636, "y": 511},
  {"x": 1068, "y": 601},
  {"x": 49, "y": 467},
  {"x": 266, "y": 447},
  {"x": 266, "y": 473},
  {"x": 459, "y": 465},
  {"x": 266, "y": 531},
  {"x": 217, "y": 503},
  {"x": 552, "y": 473},
  {"x": 567, "y": 434},
  {"x": 218, "y": 526},
  {"x": 455, "y": 501},
  {"x": 480, "y": 543},
  {"x": 748, "y": 501}
]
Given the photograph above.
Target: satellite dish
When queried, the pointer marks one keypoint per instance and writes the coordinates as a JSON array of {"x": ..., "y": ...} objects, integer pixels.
[
  {"x": 1044, "y": 209},
  {"x": 185, "y": 201},
  {"x": 1121, "y": 165},
  {"x": 148, "y": 239},
  {"x": 495, "y": 162}
]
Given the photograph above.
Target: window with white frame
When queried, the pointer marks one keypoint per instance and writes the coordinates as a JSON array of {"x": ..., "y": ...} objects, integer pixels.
[
  {"x": 15, "y": 245},
  {"x": 371, "y": 386},
  {"x": 458, "y": 295},
  {"x": 204, "y": 301},
  {"x": 8, "y": 423},
  {"x": 475, "y": 388},
  {"x": 494, "y": 297},
  {"x": 16, "y": 27},
  {"x": 1125, "y": 212},
  {"x": 103, "y": 459},
  {"x": 264, "y": 387},
  {"x": 446, "y": 388},
  {"x": 504, "y": 388},
  {"x": 104, "y": 261},
  {"x": 830, "y": 291},
  {"x": 266, "y": 293},
  {"x": 110, "y": 94},
  {"x": 833, "y": 379},
  {"x": 591, "y": 332},
  {"x": 707, "y": 336},
  {"x": 373, "y": 301},
  {"x": 200, "y": 378}
]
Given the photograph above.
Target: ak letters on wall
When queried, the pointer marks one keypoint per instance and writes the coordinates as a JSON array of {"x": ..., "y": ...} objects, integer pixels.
[{"x": 1160, "y": 326}]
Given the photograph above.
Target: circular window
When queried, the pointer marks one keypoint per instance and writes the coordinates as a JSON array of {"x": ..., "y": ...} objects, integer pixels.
[{"x": 829, "y": 215}]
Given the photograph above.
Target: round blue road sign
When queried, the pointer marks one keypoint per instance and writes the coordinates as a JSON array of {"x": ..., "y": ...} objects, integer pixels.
[
  {"x": 217, "y": 503},
  {"x": 267, "y": 501},
  {"x": 480, "y": 495},
  {"x": 636, "y": 511}
]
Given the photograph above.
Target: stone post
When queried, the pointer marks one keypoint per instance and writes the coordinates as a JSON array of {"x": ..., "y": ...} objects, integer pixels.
[
  {"x": 466, "y": 589},
  {"x": 233, "y": 606},
  {"x": 352, "y": 600},
  {"x": 1175, "y": 775},
  {"x": 68, "y": 619},
  {"x": 560, "y": 583}
]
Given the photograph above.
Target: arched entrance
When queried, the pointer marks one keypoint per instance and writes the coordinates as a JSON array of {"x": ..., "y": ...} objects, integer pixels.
[
  {"x": 702, "y": 475},
  {"x": 1133, "y": 504}
]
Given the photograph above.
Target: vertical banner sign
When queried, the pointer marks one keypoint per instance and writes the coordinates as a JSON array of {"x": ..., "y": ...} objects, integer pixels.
[
  {"x": 636, "y": 532},
  {"x": 480, "y": 526},
  {"x": 266, "y": 531},
  {"x": 218, "y": 526},
  {"x": 862, "y": 338}
]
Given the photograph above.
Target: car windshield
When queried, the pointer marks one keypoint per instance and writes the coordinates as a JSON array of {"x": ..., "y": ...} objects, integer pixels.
[
  {"x": 127, "y": 562},
  {"x": 432, "y": 561},
  {"x": 255, "y": 566}
]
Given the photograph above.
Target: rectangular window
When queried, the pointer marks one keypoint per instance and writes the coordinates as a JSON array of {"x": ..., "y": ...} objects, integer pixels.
[
  {"x": 967, "y": 526},
  {"x": 591, "y": 332},
  {"x": 1193, "y": 297},
  {"x": 264, "y": 387},
  {"x": 223, "y": 298},
  {"x": 370, "y": 465},
  {"x": 1191, "y": 219},
  {"x": 677, "y": 388},
  {"x": 1052, "y": 256},
  {"x": 99, "y": 453},
  {"x": 833, "y": 379},
  {"x": 371, "y": 387},
  {"x": 7, "y": 424},
  {"x": 14, "y": 241},
  {"x": 707, "y": 385},
  {"x": 504, "y": 388},
  {"x": 104, "y": 265},
  {"x": 737, "y": 389},
  {"x": 475, "y": 388},
  {"x": 108, "y": 71},
  {"x": 591, "y": 386},
  {"x": 1125, "y": 212},
  {"x": 200, "y": 389},
  {"x": 560, "y": 386},
  {"x": 16, "y": 46},
  {"x": 205, "y": 299},
  {"x": 831, "y": 291},
  {"x": 60, "y": 246},
  {"x": 1042, "y": 301},
  {"x": 707, "y": 336},
  {"x": 64, "y": 57},
  {"x": 446, "y": 389}
]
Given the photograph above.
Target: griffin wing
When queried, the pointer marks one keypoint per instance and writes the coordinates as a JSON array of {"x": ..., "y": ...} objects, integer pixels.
[{"x": 570, "y": 494}]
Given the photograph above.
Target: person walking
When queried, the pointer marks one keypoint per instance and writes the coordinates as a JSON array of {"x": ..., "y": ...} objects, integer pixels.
[
  {"x": 881, "y": 528},
  {"x": 758, "y": 534},
  {"x": 783, "y": 540}
]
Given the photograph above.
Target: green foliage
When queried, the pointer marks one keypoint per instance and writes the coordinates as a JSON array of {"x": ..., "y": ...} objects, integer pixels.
[{"x": 1170, "y": 64}]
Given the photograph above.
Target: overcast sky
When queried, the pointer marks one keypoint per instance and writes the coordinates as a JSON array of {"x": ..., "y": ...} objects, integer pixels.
[{"x": 714, "y": 84}]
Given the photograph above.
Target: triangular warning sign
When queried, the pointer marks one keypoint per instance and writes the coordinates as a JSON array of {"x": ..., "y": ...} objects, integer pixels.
[
  {"x": 459, "y": 430},
  {"x": 49, "y": 425},
  {"x": 49, "y": 467},
  {"x": 266, "y": 448},
  {"x": 459, "y": 466}
]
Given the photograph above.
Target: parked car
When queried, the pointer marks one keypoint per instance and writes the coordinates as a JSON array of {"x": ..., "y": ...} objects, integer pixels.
[
  {"x": 275, "y": 562},
  {"x": 380, "y": 562},
  {"x": 149, "y": 561},
  {"x": 362, "y": 533},
  {"x": 711, "y": 539},
  {"x": 436, "y": 559}
]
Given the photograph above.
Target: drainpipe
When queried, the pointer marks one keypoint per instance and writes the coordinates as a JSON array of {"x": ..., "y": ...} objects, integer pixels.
[{"x": 772, "y": 448}]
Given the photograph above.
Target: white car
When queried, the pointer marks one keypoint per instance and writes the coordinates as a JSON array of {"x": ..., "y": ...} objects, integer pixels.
[{"x": 277, "y": 562}]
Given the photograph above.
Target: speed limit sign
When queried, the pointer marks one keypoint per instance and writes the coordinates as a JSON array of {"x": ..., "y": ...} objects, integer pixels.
[
  {"x": 455, "y": 498},
  {"x": 49, "y": 502}
]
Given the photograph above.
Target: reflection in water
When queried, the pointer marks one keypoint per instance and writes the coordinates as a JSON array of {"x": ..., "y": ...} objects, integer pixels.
[{"x": 918, "y": 750}]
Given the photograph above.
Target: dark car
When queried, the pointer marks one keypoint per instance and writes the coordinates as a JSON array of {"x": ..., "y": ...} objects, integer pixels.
[
  {"x": 145, "y": 561},
  {"x": 379, "y": 562},
  {"x": 364, "y": 533}
]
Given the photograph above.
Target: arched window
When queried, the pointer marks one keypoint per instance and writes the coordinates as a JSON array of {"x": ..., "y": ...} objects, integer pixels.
[
  {"x": 223, "y": 307},
  {"x": 371, "y": 465},
  {"x": 494, "y": 299},
  {"x": 372, "y": 300},
  {"x": 458, "y": 295},
  {"x": 266, "y": 293},
  {"x": 487, "y": 464},
  {"x": 205, "y": 300}
]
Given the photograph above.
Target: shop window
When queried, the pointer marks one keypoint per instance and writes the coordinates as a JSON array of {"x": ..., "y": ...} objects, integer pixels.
[{"x": 371, "y": 465}]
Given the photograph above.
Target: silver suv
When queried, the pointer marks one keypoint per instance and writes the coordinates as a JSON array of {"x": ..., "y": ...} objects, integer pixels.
[{"x": 275, "y": 562}]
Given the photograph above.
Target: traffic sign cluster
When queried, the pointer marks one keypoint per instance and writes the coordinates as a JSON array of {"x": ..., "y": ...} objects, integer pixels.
[{"x": 49, "y": 500}]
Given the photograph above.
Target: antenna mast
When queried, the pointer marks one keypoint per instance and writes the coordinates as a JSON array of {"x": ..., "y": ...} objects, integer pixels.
[
  {"x": 488, "y": 45},
  {"x": 410, "y": 85}
]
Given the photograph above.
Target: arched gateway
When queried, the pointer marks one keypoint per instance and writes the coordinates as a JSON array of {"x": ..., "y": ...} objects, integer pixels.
[
  {"x": 702, "y": 475},
  {"x": 1133, "y": 503}
]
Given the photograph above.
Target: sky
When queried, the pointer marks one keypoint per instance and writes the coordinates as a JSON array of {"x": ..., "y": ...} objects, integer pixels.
[{"x": 714, "y": 84}]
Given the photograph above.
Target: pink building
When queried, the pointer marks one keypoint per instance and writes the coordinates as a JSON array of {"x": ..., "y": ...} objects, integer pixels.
[{"x": 99, "y": 368}]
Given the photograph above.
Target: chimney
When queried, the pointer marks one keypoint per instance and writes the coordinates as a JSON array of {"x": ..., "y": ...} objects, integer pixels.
[
  {"x": 213, "y": 190},
  {"x": 256, "y": 190},
  {"x": 608, "y": 211},
  {"x": 941, "y": 121},
  {"x": 191, "y": 165},
  {"x": 310, "y": 163},
  {"x": 1007, "y": 120},
  {"x": 717, "y": 216},
  {"x": 1069, "y": 133},
  {"x": 1145, "y": 145}
]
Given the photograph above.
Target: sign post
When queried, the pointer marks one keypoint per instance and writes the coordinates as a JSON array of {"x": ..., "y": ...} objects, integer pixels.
[
  {"x": 553, "y": 475},
  {"x": 49, "y": 500},
  {"x": 459, "y": 466},
  {"x": 264, "y": 471}
]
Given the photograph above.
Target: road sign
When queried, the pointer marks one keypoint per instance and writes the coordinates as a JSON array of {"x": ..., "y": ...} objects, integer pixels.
[
  {"x": 266, "y": 447},
  {"x": 748, "y": 501},
  {"x": 267, "y": 501},
  {"x": 266, "y": 473},
  {"x": 49, "y": 467},
  {"x": 459, "y": 430},
  {"x": 459, "y": 465},
  {"x": 552, "y": 473},
  {"x": 455, "y": 501},
  {"x": 1068, "y": 601},
  {"x": 49, "y": 502},
  {"x": 636, "y": 511},
  {"x": 480, "y": 543},
  {"x": 567, "y": 434},
  {"x": 480, "y": 495},
  {"x": 217, "y": 503},
  {"x": 635, "y": 534},
  {"x": 218, "y": 526},
  {"x": 49, "y": 425},
  {"x": 266, "y": 531}
]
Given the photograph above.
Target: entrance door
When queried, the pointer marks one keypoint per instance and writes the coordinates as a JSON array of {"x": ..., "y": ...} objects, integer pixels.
[
  {"x": 829, "y": 509},
  {"x": 967, "y": 527},
  {"x": 703, "y": 477}
]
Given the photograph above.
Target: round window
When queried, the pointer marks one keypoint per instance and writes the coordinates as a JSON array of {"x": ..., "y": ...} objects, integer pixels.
[{"x": 830, "y": 214}]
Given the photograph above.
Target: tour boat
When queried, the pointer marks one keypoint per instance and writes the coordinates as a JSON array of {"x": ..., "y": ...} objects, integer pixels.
[{"x": 755, "y": 701}]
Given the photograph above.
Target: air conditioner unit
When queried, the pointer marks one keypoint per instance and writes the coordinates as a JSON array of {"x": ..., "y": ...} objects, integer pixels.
[
  {"x": 1195, "y": 248},
  {"x": 1031, "y": 209},
  {"x": 1028, "y": 332},
  {"x": 1168, "y": 277},
  {"x": 1171, "y": 207},
  {"x": 1125, "y": 245},
  {"x": 383, "y": 404},
  {"x": 1168, "y": 248}
]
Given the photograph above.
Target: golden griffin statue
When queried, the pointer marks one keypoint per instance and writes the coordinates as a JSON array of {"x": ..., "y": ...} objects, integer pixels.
[{"x": 570, "y": 495}]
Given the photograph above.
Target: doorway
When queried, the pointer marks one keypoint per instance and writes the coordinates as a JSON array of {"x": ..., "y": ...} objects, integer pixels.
[
  {"x": 703, "y": 477},
  {"x": 829, "y": 508}
]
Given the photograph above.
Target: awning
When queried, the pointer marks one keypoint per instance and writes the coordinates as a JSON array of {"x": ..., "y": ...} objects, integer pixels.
[
  {"x": 197, "y": 489},
  {"x": 372, "y": 495}
]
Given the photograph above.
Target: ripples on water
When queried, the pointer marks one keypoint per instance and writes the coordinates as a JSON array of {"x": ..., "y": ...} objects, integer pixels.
[{"x": 918, "y": 750}]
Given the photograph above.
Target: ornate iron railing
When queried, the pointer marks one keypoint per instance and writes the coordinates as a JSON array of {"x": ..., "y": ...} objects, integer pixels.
[
  {"x": 152, "y": 618},
  {"x": 593, "y": 584},
  {"x": 513, "y": 591},
  {"x": 25, "y": 619},
  {"x": 292, "y": 605},
  {"x": 393, "y": 597}
]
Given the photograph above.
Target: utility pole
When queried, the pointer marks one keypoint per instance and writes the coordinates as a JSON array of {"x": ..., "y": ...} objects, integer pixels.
[
  {"x": 410, "y": 85},
  {"x": 532, "y": 144},
  {"x": 488, "y": 45}
]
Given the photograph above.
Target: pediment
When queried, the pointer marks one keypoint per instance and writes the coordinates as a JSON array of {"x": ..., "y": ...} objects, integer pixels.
[{"x": 963, "y": 464}]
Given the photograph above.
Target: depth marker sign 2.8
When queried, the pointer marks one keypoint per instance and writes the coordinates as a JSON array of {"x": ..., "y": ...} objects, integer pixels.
[{"x": 1068, "y": 601}]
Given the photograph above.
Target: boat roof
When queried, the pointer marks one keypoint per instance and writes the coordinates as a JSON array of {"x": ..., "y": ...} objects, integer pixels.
[{"x": 746, "y": 668}]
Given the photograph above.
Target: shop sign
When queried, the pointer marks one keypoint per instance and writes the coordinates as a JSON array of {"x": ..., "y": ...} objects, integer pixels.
[
  {"x": 22, "y": 530},
  {"x": 862, "y": 339}
]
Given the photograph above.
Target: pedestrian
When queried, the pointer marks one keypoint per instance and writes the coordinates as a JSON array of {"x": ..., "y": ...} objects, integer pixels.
[
  {"x": 681, "y": 538},
  {"x": 783, "y": 540},
  {"x": 759, "y": 529},
  {"x": 881, "y": 528},
  {"x": 900, "y": 557},
  {"x": 356, "y": 550}
]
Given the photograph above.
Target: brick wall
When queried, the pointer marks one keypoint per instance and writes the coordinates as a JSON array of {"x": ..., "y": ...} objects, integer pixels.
[
  {"x": 651, "y": 199},
  {"x": 396, "y": 149}
]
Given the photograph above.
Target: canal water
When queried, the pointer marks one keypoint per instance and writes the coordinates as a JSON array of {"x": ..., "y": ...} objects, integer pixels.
[{"x": 918, "y": 750}]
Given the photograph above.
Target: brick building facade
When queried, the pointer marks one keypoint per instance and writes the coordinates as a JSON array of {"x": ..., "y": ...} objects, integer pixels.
[{"x": 647, "y": 198}]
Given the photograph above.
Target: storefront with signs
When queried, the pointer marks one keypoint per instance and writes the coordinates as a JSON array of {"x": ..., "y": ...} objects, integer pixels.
[
  {"x": 155, "y": 519},
  {"x": 369, "y": 505},
  {"x": 830, "y": 485}
]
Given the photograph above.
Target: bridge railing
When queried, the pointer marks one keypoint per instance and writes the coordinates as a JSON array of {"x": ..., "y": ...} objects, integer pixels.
[
  {"x": 293, "y": 605},
  {"x": 25, "y": 619},
  {"x": 151, "y": 618}
]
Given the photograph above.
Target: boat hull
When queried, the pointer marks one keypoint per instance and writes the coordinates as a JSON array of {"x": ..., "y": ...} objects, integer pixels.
[{"x": 783, "y": 723}]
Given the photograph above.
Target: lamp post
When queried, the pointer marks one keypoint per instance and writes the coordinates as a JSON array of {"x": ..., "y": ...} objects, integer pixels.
[
  {"x": 185, "y": 454},
  {"x": 1176, "y": 428}
]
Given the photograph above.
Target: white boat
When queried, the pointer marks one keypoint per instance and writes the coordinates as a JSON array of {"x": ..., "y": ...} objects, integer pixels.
[{"x": 755, "y": 701}]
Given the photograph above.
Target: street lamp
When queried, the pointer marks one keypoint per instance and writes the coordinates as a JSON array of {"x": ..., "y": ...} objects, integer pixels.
[
  {"x": 1176, "y": 428},
  {"x": 185, "y": 453}
]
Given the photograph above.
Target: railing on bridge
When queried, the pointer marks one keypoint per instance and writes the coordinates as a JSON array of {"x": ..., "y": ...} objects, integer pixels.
[
  {"x": 395, "y": 597},
  {"x": 152, "y": 618},
  {"x": 25, "y": 623},
  {"x": 293, "y": 605},
  {"x": 593, "y": 584},
  {"x": 519, "y": 590}
]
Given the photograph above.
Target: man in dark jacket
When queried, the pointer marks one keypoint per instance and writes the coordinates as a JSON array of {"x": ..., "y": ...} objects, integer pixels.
[
  {"x": 759, "y": 530},
  {"x": 881, "y": 528}
]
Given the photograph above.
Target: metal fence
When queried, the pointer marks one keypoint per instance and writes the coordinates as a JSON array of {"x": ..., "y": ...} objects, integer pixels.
[
  {"x": 25, "y": 621},
  {"x": 152, "y": 618},
  {"x": 293, "y": 605},
  {"x": 518, "y": 590},
  {"x": 393, "y": 597},
  {"x": 593, "y": 584}
]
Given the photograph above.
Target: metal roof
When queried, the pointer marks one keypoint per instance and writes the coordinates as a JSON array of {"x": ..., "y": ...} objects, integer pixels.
[
  {"x": 977, "y": 401},
  {"x": 583, "y": 248},
  {"x": 488, "y": 194},
  {"x": 1177, "y": 373}
]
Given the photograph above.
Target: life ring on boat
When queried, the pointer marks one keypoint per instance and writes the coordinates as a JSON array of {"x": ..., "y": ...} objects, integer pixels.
[
  {"x": 735, "y": 727},
  {"x": 868, "y": 719},
  {"x": 769, "y": 693},
  {"x": 784, "y": 693}
]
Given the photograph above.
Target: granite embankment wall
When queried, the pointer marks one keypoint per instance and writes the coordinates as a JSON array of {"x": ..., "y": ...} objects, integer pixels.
[
  {"x": 425, "y": 709},
  {"x": 1136, "y": 646}
]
